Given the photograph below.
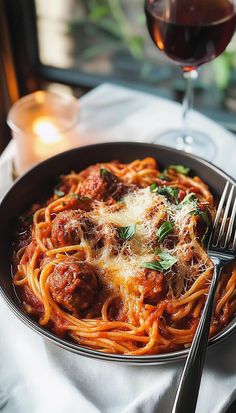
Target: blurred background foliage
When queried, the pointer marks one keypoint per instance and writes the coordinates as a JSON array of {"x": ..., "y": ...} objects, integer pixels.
[{"x": 110, "y": 38}]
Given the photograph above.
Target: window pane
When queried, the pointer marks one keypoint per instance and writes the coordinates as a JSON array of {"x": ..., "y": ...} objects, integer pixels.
[
  {"x": 109, "y": 38},
  {"x": 106, "y": 37}
]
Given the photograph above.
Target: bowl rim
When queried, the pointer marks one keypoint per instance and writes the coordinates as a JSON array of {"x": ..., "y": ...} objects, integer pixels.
[{"x": 154, "y": 359}]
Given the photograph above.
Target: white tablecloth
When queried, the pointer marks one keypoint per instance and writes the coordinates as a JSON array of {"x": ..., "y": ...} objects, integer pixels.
[{"x": 38, "y": 377}]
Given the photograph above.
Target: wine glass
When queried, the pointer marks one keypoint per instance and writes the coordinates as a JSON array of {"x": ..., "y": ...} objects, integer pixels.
[{"x": 190, "y": 33}]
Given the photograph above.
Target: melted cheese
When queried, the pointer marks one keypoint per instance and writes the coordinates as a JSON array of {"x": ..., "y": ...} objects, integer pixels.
[
  {"x": 147, "y": 210},
  {"x": 180, "y": 215},
  {"x": 120, "y": 262},
  {"x": 134, "y": 207}
]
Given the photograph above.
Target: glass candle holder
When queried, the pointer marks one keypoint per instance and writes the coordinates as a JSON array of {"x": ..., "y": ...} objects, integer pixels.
[{"x": 41, "y": 124}]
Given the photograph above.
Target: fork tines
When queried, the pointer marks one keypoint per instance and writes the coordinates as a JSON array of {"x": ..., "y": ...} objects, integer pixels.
[{"x": 224, "y": 228}]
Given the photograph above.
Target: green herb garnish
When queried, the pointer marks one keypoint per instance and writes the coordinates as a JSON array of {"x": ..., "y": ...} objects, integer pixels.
[
  {"x": 191, "y": 197},
  {"x": 104, "y": 172},
  {"x": 155, "y": 265},
  {"x": 153, "y": 187},
  {"x": 204, "y": 217},
  {"x": 165, "y": 262},
  {"x": 76, "y": 196},
  {"x": 170, "y": 193},
  {"x": 165, "y": 229},
  {"x": 127, "y": 233},
  {"x": 179, "y": 168},
  {"x": 202, "y": 214},
  {"x": 164, "y": 177}
]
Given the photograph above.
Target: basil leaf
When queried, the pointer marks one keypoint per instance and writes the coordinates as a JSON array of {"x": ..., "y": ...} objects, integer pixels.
[
  {"x": 165, "y": 229},
  {"x": 180, "y": 169},
  {"x": 127, "y": 233},
  {"x": 191, "y": 197},
  {"x": 203, "y": 215},
  {"x": 153, "y": 187},
  {"x": 170, "y": 193},
  {"x": 155, "y": 265},
  {"x": 205, "y": 218},
  {"x": 164, "y": 263},
  {"x": 76, "y": 196},
  {"x": 59, "y": 193},
  {"x": 104, "y": 172},
  {"x": 164, "y": 177},
  {"x": 166, "y": 260}
]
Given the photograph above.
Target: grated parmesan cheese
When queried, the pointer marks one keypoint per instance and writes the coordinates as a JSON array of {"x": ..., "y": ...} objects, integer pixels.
[{"x": 145, "y": 209}]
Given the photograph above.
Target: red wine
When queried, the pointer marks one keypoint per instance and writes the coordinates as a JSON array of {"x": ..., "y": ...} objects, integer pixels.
[{"x": 191, "y": 32}]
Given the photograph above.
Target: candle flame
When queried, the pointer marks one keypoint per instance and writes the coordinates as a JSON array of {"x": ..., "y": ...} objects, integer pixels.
[{"x": 46, "y": 131}]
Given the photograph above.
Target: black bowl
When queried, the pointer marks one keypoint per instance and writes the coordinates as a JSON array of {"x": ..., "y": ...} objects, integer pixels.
[{"x": 40, "y": 179}]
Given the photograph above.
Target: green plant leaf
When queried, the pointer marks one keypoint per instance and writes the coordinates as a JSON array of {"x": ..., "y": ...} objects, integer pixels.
[
  {"x": 104, "y": 172},
  {"x": 223, "y": 67},
  {"x": 165, "y": 229},
  {"x": 99, "y": 12},
  {"x": 153, "y": 187},
  {"x": 166, "y": 260},
  {"x": 205, "y": 218},
  {"x": 189, "y": 198},
  {"x": 155, "y": 265},
  {"x": 76, "y": 196},
  {"x": 136, "y": 44},
  {"x": 170, "y": 193},
  {"x": 127, "y": 233},
  {"x": 179, "y": 168},
  {"x": 164, "y": 177}
]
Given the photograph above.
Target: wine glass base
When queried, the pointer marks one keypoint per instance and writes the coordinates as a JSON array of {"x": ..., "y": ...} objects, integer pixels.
[{"x": 197, "y": 144}]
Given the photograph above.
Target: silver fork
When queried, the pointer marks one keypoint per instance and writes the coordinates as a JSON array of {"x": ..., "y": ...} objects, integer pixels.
[{"x": 222, "y": 250}]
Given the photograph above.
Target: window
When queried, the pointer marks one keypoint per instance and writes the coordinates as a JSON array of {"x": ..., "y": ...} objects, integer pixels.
[
  {"x": 107, "y": 40},
  {"x": 82, "y": 43}
]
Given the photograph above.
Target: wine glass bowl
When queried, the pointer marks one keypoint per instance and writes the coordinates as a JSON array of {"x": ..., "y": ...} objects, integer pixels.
[{"x": 190, "y": 33}]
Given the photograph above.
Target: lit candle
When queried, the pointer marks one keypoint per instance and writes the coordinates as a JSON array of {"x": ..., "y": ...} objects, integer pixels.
[
  {"x": 40, "y": 123},
  {"x": 47, "y": 139}
]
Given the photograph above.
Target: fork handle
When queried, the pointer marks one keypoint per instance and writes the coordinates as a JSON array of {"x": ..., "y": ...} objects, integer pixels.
[{"x": 187, "y": 393}]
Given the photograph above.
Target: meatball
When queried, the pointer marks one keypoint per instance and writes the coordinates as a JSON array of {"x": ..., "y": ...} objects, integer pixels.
[
  {"x": 100, "y": 184},
  {"x": 73, "y": 285},
  {"x": 66, "y": 228}
]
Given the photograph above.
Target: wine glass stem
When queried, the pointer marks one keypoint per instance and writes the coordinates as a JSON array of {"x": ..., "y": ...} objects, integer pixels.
[{"x": 185, "y": 141}]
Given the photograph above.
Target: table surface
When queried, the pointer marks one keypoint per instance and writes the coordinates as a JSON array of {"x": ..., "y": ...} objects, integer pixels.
[{"x": 55, "y": 380}]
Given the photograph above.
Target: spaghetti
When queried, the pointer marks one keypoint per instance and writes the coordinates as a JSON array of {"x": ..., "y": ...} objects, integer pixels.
[{"x": 115, "y": 259}]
